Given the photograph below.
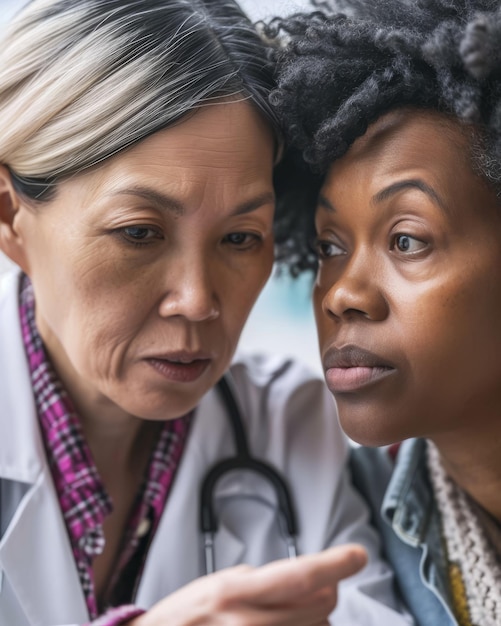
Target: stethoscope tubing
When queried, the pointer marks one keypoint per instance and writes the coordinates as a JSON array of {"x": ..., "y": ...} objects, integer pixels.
[{"x": 241, "y": 461}]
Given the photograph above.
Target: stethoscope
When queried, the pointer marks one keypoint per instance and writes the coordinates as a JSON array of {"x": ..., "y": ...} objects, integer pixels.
[{"x": 241, "y": 461}]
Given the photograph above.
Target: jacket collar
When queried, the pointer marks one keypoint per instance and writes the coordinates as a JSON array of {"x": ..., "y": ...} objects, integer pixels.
[
  {"x": 409, "y": 496},
  {"x": 409, "y": 507}
]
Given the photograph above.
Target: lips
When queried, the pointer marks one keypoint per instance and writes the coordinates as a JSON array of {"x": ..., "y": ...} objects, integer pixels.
[
  {"x": 350, "y": 368},
  {"x": 181, "y": 367}
]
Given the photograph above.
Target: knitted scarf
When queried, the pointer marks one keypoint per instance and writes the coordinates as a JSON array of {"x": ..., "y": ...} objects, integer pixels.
[{"x": 474, "y": 566}]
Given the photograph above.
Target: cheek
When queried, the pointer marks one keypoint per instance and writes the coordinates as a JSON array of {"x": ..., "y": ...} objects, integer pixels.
[
  {"x": 457, "y": 317},
  {"x": 453, "y": 339},
  {"x": 97, "y": 335},
  {"x": 242, "y": 289},
  {"x": 475, "y": 322},
  {"x": 101, "y": 311}
]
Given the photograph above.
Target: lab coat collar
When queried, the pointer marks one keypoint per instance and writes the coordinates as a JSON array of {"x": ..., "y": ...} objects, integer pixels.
[
  {"x": 35, "y": 557},
  {"x": 21, "y": 446}
]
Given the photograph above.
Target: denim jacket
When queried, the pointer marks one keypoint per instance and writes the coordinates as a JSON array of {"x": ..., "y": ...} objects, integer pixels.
[{"x": 406, "y": 515}]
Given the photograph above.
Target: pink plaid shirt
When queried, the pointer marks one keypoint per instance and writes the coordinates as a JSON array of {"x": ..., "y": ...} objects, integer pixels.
[{"x": 82, "y": 496}]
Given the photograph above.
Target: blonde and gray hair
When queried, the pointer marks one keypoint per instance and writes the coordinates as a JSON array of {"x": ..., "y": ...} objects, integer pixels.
[{"x": 81, "y": 80}]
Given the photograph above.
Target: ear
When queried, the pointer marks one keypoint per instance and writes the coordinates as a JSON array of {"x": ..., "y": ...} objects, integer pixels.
[{"x": 11, "y": 242}]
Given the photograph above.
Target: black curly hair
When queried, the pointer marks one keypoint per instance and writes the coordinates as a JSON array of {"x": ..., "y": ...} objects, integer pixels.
[{"x": 350, "y": 61}]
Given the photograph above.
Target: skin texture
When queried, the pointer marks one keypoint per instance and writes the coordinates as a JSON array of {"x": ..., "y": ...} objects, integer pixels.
[{"x": 411, "y": 274}]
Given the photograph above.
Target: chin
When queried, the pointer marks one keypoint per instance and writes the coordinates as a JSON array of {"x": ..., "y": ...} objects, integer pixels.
[
  {"x": 155, "y": 406},
  {"x": 373, "y": 422},
  {"x": 171, "y": 410},
  {"x": 370, "y": 432}
]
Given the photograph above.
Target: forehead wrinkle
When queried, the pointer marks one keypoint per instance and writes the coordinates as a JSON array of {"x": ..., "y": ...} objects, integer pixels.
[
  {"x": 251, "y": 205},
  {"x": 167, "y": 203},
  {"x": 160, "y": 200}
]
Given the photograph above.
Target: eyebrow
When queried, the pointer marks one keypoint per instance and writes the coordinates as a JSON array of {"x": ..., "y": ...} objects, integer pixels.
[
  {"x": 391, "y": 190},
  {"x": 167, "y": 203},
  {"x": 411, "y": 183},
  {"x": 324, "y": 203}
]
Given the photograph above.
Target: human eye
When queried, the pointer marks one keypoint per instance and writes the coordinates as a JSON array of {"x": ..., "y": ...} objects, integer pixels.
[
  {"x": 242, "y": 240},
  {"x": 138, "y": 235},
  {"x": 407, "y": 244},
  {"x": 325, "y": 249}
]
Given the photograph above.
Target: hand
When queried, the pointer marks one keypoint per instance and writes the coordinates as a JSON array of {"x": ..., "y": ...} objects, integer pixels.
[{"x": 300, "y": 592}]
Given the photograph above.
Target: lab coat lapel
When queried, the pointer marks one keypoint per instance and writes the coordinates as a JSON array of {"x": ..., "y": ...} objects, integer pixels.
[{"x": 37, "y": 561}]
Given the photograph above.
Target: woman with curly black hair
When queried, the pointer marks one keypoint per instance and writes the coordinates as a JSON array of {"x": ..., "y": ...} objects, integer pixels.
[{"x": 396, "y": 106}]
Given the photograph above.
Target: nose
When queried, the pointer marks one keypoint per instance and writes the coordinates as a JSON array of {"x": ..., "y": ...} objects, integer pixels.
[
  {"x": 355, "y": 291},
  {"x": 190, "y": 293}
]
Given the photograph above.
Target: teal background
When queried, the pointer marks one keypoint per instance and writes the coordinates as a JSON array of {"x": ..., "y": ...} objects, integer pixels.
[{"x": 282, "y": 321}]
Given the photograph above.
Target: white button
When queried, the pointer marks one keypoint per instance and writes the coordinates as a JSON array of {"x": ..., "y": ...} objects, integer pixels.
[{"x": 143, "y": 528}]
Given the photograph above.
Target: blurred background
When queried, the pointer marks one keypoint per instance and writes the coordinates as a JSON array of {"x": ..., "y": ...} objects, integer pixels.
[{"x": 282, "y": 321}]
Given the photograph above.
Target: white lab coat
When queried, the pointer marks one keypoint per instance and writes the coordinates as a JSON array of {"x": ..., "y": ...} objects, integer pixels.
[{"x": 291, "y": 423}]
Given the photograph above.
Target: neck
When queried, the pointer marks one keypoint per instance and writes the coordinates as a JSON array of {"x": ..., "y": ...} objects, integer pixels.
[
  {"x": 473, "y": 461},
  {"x": 112, "y": 434},
  {"x": 113, "y": 439}
]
